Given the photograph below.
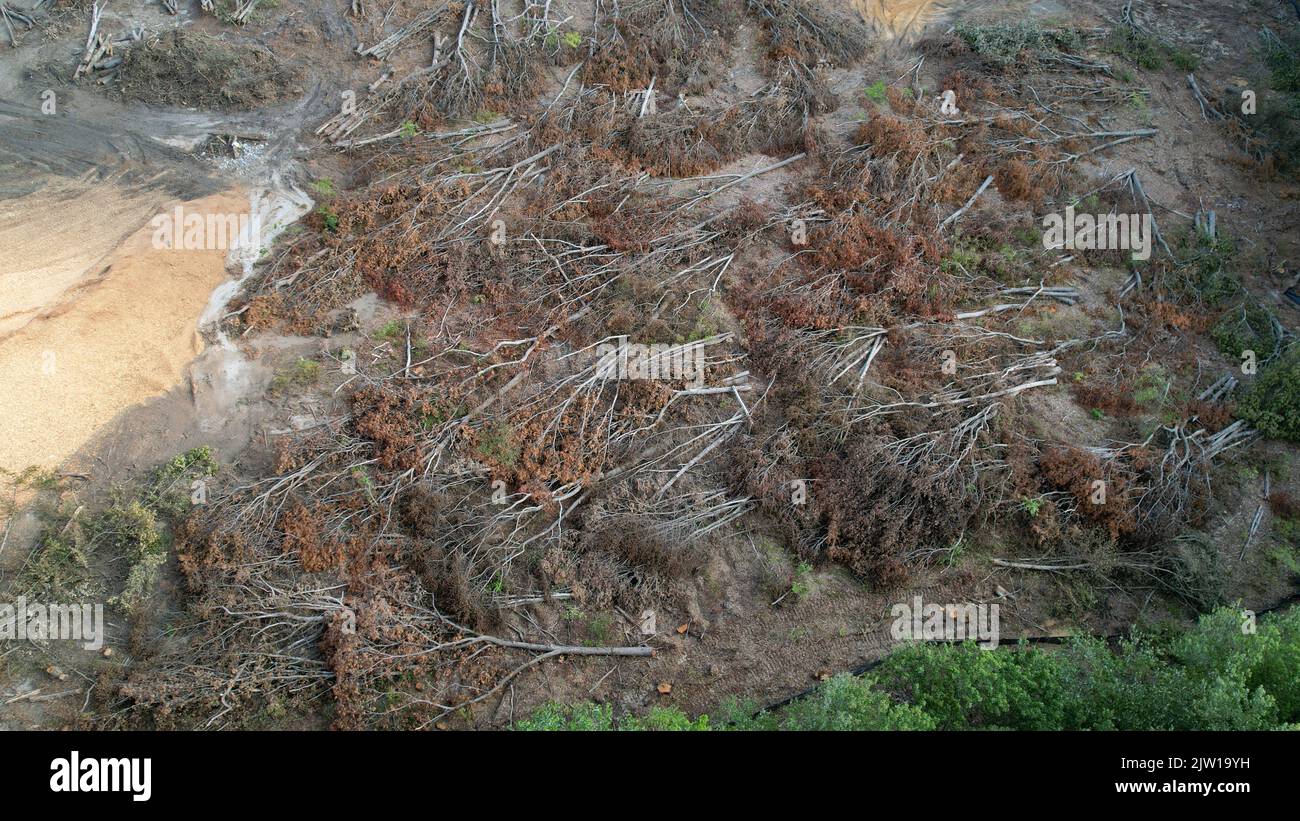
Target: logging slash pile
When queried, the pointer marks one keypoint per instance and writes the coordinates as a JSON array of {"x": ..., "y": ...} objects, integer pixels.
[
  {"x": 870, "y": 332},
  {"x": 190, "y": 69}
]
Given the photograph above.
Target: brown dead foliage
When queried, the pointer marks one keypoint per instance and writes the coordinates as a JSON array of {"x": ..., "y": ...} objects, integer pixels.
[
  {"x": 1116, "y": 399},
  {"x": 875, "y": 511},
  {"x": 393, "y": 421},
  {"x": 302, "y": 538},
  {"x": 1077, "y": 471},
  {"x": 809, "y": 32},
  {"x": 881, "y": 274},
  {"x": 681, "y": 46},
  {"x": 1284, "y": 504},
  {"x": 1015, "y": 182},
  {"x": 887, "y": 134},
  {"x": 1214, "y": 416}
]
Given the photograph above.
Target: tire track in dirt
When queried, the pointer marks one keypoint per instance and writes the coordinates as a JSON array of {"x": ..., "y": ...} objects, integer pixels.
[{"x": 34, "y": 145}]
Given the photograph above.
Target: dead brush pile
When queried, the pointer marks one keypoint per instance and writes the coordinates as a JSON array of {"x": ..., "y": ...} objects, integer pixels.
[
  {"x": 409, "y": 534},
  {"x": 809, "y": 34},
  {"x": 497, "y": 455},
  {"x": 680, "y": 46},
  {"x": 630, "y": 76},
  {"x": 185, "y": 68},
  {"x": 485, "y": 60},
  {"x": 892, "y": 402},
  {"x": 421, "y": 523},
  {"x": 682, "y": 142},
  {"x": 495, "y": 460}
]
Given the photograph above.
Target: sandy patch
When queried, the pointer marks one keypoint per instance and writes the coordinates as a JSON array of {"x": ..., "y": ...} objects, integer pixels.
[
  {"x": 903, "y": 19},
  {"x": 59, "y": 239},
  {"x": 115, "y": 334}
]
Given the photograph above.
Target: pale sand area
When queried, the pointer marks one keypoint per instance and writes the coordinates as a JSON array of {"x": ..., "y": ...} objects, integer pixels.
[
  {"x": 56, "y": 239},
  {"x": 903, "y": 19},
  {"x": 98, "y": 319}
]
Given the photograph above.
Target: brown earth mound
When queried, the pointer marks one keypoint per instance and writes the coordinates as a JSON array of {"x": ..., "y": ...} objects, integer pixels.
[{"x": 185, "y": 68}]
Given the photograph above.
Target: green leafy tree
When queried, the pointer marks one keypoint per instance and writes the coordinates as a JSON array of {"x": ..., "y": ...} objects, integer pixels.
[
  {"x": 1213, "y": 676},
  {"x": 1273, "y": 402}
]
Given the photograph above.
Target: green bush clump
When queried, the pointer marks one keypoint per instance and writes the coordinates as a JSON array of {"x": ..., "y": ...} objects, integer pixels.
[
  {"x": 586, "y": 717},
  {"x": 1267, "y": 660},
  {"x": 843, "y": 702},
  {"x": 132, "y": 530},
  {"x": 1213, "y": 676},
  {"x": 1205, "y": 275},
  {"x": 1218, "y": 675},
  {"x": 1003, "y": 44},
  {"x": 1272, "y": 404},
  {"x": 58, "y": 569},
  {"x": 1278, "y": 120},
  {"x": 1283, "y": 60},
  {"x": 168, "y": 491},
  {"x": 1247, "y": 327},
  {"x": 665, "y": 719},
  {"x": 1147, "y": 50},
  {"x": 580, "y": 717}
]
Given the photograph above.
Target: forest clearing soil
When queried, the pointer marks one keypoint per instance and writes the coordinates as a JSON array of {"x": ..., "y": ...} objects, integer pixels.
[
  {"x": 124, "y": 336},
  {"x": 102, "y": 323}
]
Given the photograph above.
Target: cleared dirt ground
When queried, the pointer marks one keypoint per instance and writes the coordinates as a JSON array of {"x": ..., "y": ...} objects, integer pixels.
[{"x": 157, "y": 353}]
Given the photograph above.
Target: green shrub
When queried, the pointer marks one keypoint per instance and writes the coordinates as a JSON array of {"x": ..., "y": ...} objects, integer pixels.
[
  {"x": 1272, "y": 404},
  {"x": 1204, "y": 274},
  {"x": 324, "y": 187},
  {"x": 1137, "y": 687},
  {"x": 1247, "y": 327},
  {"x": 847, "y": 703},
  {"x": 553, "y": 716},
  {"x": 1137, "y": 46},
  {"x": 1183, "y": 59},
  {"x": 1282, "y": 57},
  {"x": 964, "y": 686},
  {"x": 1003, "y": 43},
  {"x": 1267, "y": 660},
  {"x": 1147, "y": 50},
  {"x": 392, "y": 329},
  {"x": 1087, "y": 685},
  {"x": 588, "y": 717},
  {"x": 665, "y": 719},
  {"x": 168, "y": 489},
  {"x": 1278, "y": 117},
  {"x": 1212, "y": 676},
  {"x": 59, "y": 569},
  {"x": 132, "y": 530},
  {"x": 329, "y": 218}
]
